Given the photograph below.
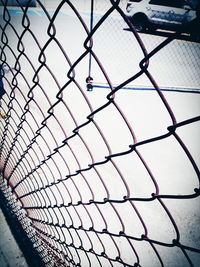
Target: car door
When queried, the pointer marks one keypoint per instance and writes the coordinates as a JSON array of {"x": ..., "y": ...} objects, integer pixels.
[{"x": 168, "y": 13}]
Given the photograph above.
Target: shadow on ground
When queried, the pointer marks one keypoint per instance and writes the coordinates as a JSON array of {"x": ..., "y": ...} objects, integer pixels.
[{"x": 169, "y": 34}]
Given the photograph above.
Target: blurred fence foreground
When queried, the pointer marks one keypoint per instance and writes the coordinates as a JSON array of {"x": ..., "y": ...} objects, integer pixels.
[{"x": 99, "y": 136}]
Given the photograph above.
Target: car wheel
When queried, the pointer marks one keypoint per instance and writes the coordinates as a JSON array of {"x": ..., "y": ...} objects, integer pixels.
[
  {"x": 193, "y": 30},
  {"x": 195, "y": 37},
  {"x": 140, "y": 23}
]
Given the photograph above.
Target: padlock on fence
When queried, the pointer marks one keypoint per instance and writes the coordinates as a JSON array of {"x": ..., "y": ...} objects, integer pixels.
[{"x": 89, "y": 85}]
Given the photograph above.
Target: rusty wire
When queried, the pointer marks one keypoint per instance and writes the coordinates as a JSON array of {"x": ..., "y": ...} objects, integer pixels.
[{"x": 65, "y": 221}]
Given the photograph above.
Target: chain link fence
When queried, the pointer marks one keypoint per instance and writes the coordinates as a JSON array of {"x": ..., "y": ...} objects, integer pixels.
[
  {"x": 115, "y": 42},
  {"x": 98, "y": 175}
]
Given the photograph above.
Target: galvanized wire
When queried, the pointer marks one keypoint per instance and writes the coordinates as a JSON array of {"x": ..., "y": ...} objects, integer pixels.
[{"x": 80, "y": 204}]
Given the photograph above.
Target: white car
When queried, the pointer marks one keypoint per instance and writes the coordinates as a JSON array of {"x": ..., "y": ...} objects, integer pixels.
[{"x": 164, "y": 14}]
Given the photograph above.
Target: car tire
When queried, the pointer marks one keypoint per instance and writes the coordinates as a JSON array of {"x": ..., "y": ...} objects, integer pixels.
[
  {"x": 193, "y": 30},
  {"x": 195, "y": 37},
  {"x": 140, "y": 23}
]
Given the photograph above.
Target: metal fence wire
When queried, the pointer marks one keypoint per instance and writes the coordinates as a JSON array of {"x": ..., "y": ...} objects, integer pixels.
[{"x": 96, "y": 175}]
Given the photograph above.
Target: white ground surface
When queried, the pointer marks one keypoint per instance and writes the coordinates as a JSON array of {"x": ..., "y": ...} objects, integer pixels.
[
  {"x": 145, "y": 113},
  {"x": 10, "y": 254}
]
